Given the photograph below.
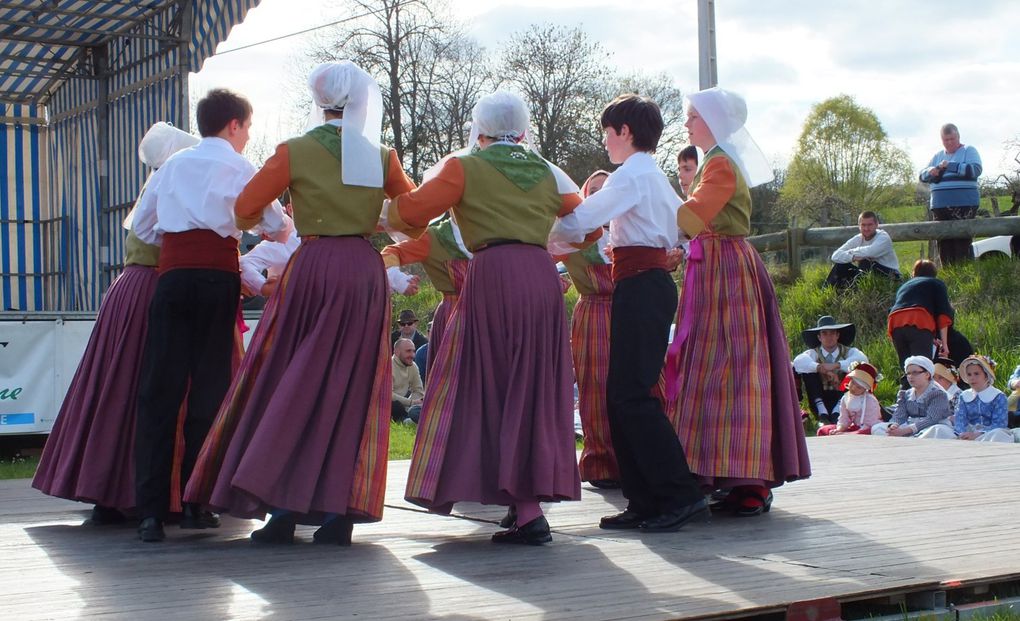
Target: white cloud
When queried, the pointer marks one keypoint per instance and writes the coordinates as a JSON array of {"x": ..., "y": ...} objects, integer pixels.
[{"x": 917, "y": 65}]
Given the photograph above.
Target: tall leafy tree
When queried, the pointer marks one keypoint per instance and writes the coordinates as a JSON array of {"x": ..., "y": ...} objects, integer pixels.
[{"x": 844, "y": 163}]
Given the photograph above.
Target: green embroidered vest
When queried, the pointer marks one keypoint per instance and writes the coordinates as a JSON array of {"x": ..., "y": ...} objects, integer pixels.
[
  {"x": 735, "y": 217},
  {"x": 323, "y": 205},
  {"x": 137, "y": 252},
  {"x": 509, "y": 193}
]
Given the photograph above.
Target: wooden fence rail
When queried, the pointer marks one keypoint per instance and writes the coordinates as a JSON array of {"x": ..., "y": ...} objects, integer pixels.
[{"x": 792, "y": 240}]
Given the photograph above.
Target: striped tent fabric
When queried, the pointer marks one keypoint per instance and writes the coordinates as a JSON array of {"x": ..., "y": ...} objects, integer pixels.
[
  {"x": 63, "y": 241},
  {"x": 23, "y": 212}
]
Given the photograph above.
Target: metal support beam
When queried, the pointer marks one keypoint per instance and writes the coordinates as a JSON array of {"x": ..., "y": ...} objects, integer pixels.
[
  {"x": 186, "y": 13},
  {"x": 707, "y": 70},
  {"x": 46, "y": 92},
  {"x": 103, "y": 157},
  {"x": 99, "y": 35}
]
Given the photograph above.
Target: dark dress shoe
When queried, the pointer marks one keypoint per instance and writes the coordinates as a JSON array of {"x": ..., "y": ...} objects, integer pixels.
[
  {"x": 623, "y": 521},
  {"x": 605, "y": 483},
  {"x": 335, "y": 532},
  {"x": 105, "y": 516},
  {"x": 534, "y": 533},
  {"x": 510, "y": 518},
  {"x": 193, "y": 516},
  {"x": 280, "y": 529},
  {"x": 671, "y": 521},
  {"x": 151, "y": 529}
]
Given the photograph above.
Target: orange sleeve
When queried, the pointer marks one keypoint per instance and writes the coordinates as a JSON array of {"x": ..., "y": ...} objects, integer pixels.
[
  {"x": 943, "y": 321},
  {"x": 397, "y": 181},
  {"x": 266, "y": 186},
  {"x": 570, "y": 203},
  {"x": 411, "y": 211},
  {"x": 717, "y": 186},
  {"x": 407, "y": 252}
]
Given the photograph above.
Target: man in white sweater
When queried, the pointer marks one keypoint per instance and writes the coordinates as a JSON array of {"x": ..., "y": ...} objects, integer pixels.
[
  {"x": 408, "y": 392},
  {"x": 871, "y": 250}
]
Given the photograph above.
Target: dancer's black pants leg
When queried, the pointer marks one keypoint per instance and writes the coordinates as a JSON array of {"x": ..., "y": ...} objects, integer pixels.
[
  {"x": 188, "y": 350},
  {"x": 654, "y": 474}
]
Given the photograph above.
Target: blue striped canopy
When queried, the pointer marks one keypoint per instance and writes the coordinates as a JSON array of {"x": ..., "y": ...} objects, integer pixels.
[{"x": 80, "y": 83}]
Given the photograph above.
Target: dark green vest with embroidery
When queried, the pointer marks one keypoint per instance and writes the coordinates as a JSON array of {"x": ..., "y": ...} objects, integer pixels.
[
  {"x": 324, "y": 205},
  {"x": 509, "y": 193}
]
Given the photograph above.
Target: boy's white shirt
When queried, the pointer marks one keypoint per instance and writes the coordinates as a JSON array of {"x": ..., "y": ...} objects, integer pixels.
[
  {"x": 196, "y": 189},
  {"x": 638, "y": 203}
]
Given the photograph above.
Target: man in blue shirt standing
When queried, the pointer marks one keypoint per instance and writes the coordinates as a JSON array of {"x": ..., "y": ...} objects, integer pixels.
[{"x": 952, "y": 176}]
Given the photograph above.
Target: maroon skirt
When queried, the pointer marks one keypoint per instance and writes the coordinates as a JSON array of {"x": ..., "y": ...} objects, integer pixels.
[
  {"x": 89, "y": 455},
  {"x": 497, "y": 423},
  {"x": 310, "y": 414}
]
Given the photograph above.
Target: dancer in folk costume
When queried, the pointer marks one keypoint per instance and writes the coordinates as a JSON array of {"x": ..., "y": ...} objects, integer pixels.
[
  {"x": 640, "y": 206},
  {"x": 728, "y": 369},
  {"x": 443, "y": 254},
  {"x": 271, "y": 257},
  {"x": 312, "y": 435},
  {"x": 497, "y": 422},
  {"x": 591, "y": 273},
  {"x": 190, "y": 346},
  {"x": 89, "y": 455}
]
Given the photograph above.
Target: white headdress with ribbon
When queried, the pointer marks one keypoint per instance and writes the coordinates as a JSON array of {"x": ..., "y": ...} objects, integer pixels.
[
  {"x": 725, "y": 113},
  {"x": 343, "y": 86}
]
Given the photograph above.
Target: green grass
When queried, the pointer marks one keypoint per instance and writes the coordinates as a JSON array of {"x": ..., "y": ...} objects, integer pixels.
[
  {"x": 18, "y": 467},
  {"x": 982, "y": 292}
]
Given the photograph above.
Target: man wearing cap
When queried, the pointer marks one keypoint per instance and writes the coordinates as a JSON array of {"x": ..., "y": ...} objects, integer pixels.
[
  {"x": 821, "y": 368},
  {"x": 407, "y": 328},
  {"x": 871, "y": 250}
]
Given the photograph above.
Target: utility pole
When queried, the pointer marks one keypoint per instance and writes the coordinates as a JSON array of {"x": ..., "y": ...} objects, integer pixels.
[{"x": 707, "y": 73}]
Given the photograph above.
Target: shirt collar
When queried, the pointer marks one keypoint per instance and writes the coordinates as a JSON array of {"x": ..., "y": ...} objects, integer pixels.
[
  {"x": 639, "y": 161},
  {"x": 335, "y": 122},
  {"x": 987, "y": 395},
  {"x": 215, "y": 142}
]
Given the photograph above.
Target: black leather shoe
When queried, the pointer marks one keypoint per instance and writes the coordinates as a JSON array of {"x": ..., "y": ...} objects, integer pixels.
[
  {"x": 534, "y": 533},
  {"x": 193, "y": 516},
  {"x": 671, "y": 521},
  {"x": 278, "y": 530},
  {"x": 510, "y": 518},
  {"x": 623, "y": 521},
  {"x": 105, "y": 516},
  {"x": 605, "y": 483},
  {"x": 151, "y": 529},
  {"x": 335, "y": 532}
]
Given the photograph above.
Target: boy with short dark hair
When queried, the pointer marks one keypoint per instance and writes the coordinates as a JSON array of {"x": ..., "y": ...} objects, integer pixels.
[
  {"x": 188, "y": 209},
  {"x": 640, "y": 206},
  {"x": 687, "y": 167}
]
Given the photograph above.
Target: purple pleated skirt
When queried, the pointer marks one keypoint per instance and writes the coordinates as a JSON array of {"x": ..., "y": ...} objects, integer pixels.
[
  {"x": 736, "y": 411},
  {"x": 497, "y": 423},
  {"x": 89, "y": 455},
  {"x": 311, "y": 418}
]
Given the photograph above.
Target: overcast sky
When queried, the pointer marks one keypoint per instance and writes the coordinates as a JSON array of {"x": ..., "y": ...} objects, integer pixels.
[{"x": 916, "y": 64}]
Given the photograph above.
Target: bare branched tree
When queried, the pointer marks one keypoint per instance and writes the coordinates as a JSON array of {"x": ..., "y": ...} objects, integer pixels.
[{"x": 561, "y": 73}]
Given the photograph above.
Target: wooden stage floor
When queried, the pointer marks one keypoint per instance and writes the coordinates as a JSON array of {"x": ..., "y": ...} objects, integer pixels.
[{"x": 880, "y": 515}]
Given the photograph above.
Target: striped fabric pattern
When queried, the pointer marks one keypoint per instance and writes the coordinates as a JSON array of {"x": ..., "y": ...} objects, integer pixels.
[
  {"x": 589, "y": 339},
  {"x": 23, "y": 235},
  {"x": 436, "y": 415},
  {"x": 53, "y": 171},
  {"x": 368, "y": 488},
  {"x": 724, "y": 406}
]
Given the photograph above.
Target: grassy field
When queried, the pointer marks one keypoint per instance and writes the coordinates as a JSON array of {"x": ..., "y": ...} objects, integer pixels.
[{"x": 982, "y": 292}]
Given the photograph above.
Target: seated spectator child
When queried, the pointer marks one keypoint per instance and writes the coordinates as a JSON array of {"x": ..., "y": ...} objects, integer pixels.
[
  {"x": 922, "y": 405},
  {"x": 1014, "y": 397},
  {"x": 823, "y": 365},
  {"x": 980, "y": 410},
  {"x": 858, "y": 409},
  {"x": 947, "y": 377}
]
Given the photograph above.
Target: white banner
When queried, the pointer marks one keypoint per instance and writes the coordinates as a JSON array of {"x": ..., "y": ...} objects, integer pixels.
[
  {"x": 27, "y": 376},
  {"x": 38, "y": 360}
]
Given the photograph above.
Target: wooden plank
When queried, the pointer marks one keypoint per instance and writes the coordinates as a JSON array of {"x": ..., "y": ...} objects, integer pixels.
[{"x": 876, "y": 518}]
